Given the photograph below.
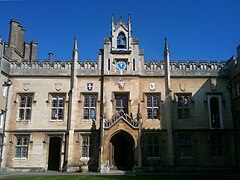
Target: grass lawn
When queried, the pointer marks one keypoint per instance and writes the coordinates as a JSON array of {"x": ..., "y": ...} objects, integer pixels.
[{"x": 130, "y": 177}]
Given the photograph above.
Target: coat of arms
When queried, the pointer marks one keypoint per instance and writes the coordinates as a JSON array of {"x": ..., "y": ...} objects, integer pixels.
[
  {"x": 121, "y": 83},
  {"x": 152, "y": 86},
  {"x": 89, "y": 86}
]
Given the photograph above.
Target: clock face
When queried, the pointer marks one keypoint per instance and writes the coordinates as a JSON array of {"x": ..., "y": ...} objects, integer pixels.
[{"x": 121, "y": 65}]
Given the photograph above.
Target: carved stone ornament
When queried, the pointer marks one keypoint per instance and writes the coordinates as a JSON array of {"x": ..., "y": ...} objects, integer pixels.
[
  {"x": 152, "y": 86},
  {"x": 182, "y": 87},
  {"x": 213, "y": 84},
  {"x": 26, "y": 86},
  {"x": 58, "y": 86},
  {"x": 121, "y": 83}
]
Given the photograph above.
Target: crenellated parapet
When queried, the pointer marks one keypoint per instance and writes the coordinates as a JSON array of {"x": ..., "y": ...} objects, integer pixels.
[
  {"x": 52, "y": 68},
  {"x": 56, "y": 65},
  {"x": 184, "y": 65}
]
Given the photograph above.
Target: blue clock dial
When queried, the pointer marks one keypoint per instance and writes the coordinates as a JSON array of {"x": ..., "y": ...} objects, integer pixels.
[{"x": 121, "y": 65}]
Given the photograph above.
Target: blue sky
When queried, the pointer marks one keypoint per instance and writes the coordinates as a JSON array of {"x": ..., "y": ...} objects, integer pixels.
[{"x": 196, "y": 29}]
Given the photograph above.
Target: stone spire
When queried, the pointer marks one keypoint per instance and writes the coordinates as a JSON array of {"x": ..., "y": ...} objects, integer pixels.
[
  {"x": 112, "y": 24},
  {"x": 74, "y": 62},
  {"x": 129, "y": 25},
  {"x": 167, "y": 69}
]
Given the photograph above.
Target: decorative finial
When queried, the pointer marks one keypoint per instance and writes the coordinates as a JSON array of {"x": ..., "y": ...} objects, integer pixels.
[
  {"x": 166, "y": 46},
  {"x": 112, "y": 18},
  {"x": 121, "y": 18},
  {"x": 129, "y": 17},
  {"x": 75, "y": 44}
]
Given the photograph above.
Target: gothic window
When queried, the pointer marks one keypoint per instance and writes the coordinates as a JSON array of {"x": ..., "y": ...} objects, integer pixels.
[
  {"x": 85, "y": 145},
  {"x": 21, "y": 146},
  {"x": 183, "y": 106},
  {"x": 134, "y": 65},
  {"x": 109, "y": 64},
  {"x": 216, "y": 145},
  {"x": 185, "y": 146},
  {"x": 89, "y": 107},
  {"x": 153, "y": 145},
  {"x": 214, "y": 106},
  {"x": 25, "y": 107},
  {"x": 121, "y": 41},
  {"x": 121, "y": 102},
  {"x": 57, "y": 112},
  {"x": 153, "y": 106}
]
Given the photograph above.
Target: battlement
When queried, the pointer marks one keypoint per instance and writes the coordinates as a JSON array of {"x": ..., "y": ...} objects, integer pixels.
[
  {"x": 185, "y": 66},
  {"x": 56, "y": 65}
]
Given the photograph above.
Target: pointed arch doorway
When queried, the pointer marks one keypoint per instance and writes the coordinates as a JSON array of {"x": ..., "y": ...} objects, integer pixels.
[{"x": 122, "y": 148}]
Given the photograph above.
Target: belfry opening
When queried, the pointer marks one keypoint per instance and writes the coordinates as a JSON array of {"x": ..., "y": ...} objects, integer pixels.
[{"x": 122, "y": 151}]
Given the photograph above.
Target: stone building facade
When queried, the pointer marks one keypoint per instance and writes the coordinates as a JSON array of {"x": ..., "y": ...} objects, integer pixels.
[{"x": 120, "y": 112}]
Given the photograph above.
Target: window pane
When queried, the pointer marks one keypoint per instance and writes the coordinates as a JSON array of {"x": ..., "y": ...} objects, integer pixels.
[
  {"x": 92, "y": 113},
  {"x": 86, "y": 101},
  {"x": 84, "y": 151},
  {"x": 149, "y": 113},
  {"x": 22, "y": 102},
  {"x": 86, "y": 113},
  {"x": 118, "y": 101},
  {"x": 54, "y": 102},
  {"x": 60, "y": 113},
  {"x": 54, "y": 113},
  {"x": 155, "y": 101},
  {"x": 60, "y": 102},
  {"x": 18, "y": 152},
  {"x": 149, "y": 101},
  {"x": 25, "y": 141},
  {"x": 21, "y": 114},
  {"x": 19, "y": 141},
  {"x": 28, "y": 114},
  {"x": 155, "y": 113},
  {"x": 29, "y": 102},
  {"x": 185, "y": 101},
  {"x": 24, "y": 152},
  {"x": 93, "y": 101}
]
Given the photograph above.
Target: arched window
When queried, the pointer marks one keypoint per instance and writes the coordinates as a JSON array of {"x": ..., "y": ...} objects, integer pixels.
[
  {"x": 215, "y": 116},
  {"x": 121, "y": 41}
]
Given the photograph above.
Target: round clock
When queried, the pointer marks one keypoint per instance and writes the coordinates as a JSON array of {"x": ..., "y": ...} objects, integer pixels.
[{"x": 121, "y": 65}]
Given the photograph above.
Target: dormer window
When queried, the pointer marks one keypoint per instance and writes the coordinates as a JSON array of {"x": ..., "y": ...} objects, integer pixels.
[{"x": 121, "y": 41}]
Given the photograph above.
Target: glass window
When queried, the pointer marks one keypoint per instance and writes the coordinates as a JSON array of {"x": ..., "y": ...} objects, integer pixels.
[
  {"x": 214, "y": 107},
  {"x": 89, "y": 111},
  {"x": 183, "y": 105},
  {"x": 57, "y": 112},
  {"x": 25, "y": 108},
  {"x": 21, "y": 147},
  {"x": 153, "y": 145},
  {"x": 85, "y": 145},
  {"x": 121, "y": 102},
  {"x": 216, "y": 145},
  {"x": 153, "y": 106},
  {"x": 185, "y": 146}
]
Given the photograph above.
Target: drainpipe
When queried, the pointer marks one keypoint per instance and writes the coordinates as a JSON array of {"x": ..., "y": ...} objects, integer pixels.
[
  {"x": 101, "y": 114},
  {"x": 7, "y": 84}
]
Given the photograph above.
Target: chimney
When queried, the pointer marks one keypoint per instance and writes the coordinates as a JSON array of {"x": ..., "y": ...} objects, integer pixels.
[
  {"x": 50, "y": 56},
  {"x": 27, "y": 49},
  {"x": 16, "y": 35},
  {"x": 33, "y": 52}
]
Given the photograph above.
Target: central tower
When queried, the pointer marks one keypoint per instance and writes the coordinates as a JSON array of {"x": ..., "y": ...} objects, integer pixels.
[{"x": 122, "y": 47}]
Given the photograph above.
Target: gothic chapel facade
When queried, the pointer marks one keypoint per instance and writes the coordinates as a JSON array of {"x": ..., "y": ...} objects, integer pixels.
[{"x": 120, "y": 112}]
